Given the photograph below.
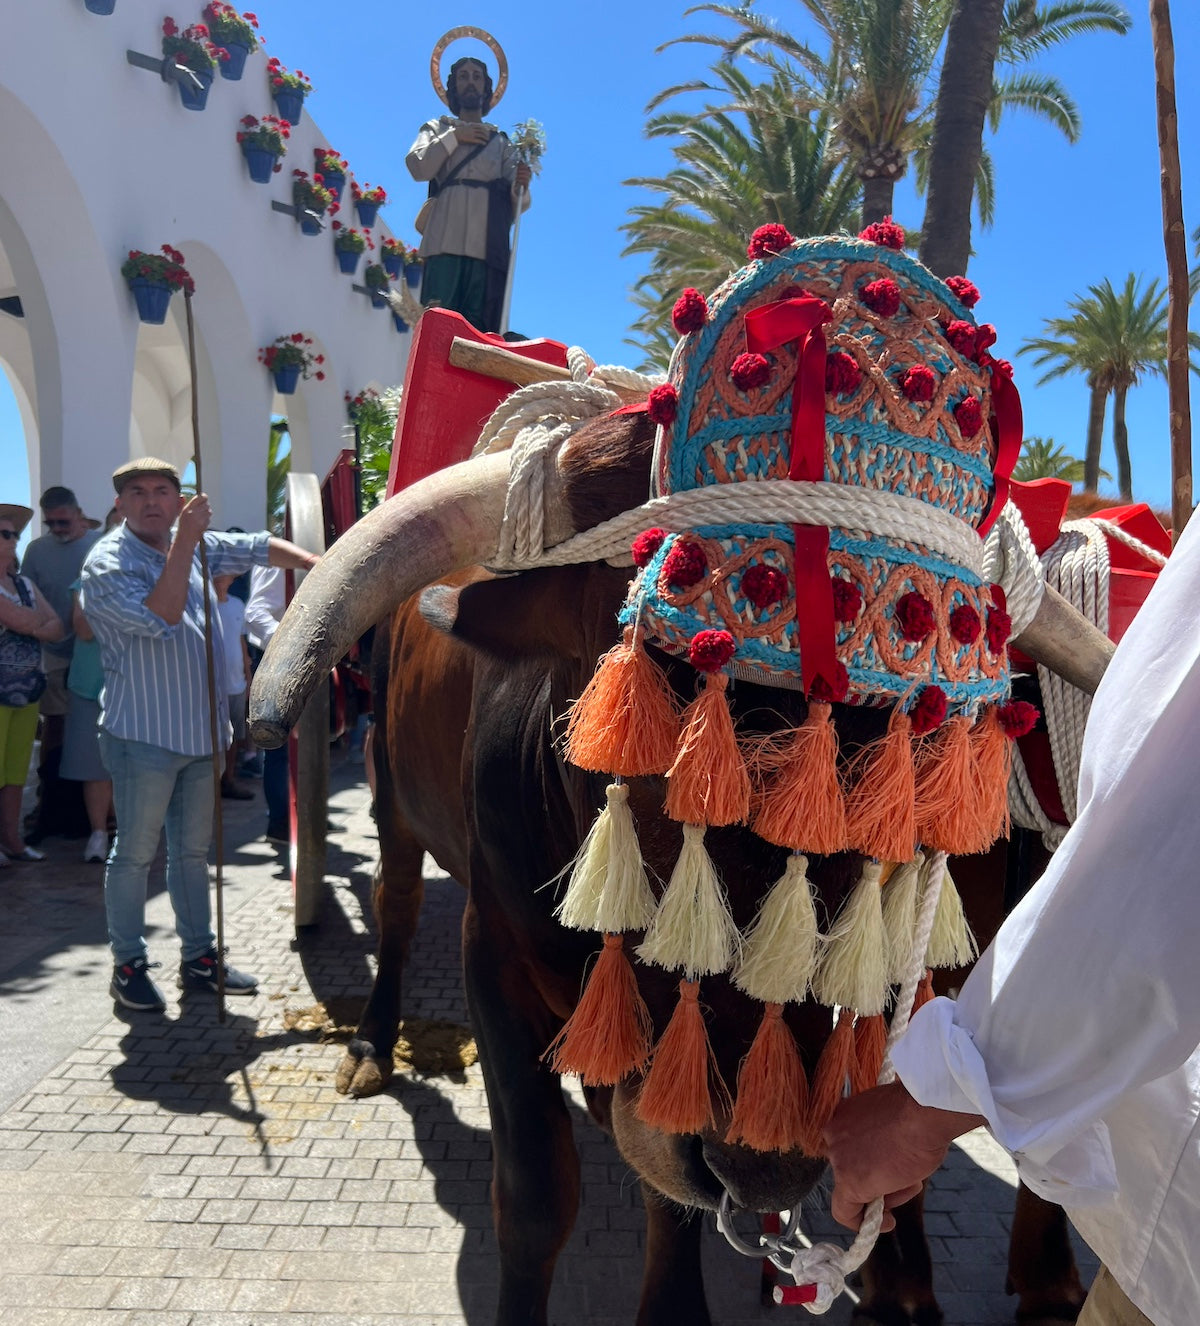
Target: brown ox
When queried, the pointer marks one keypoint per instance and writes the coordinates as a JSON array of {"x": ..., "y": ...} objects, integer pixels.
[{"x": 469, "y": 769}]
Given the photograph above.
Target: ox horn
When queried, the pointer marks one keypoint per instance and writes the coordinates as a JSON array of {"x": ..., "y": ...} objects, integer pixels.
[
  {"x": 442, "y": 524},
  {"x": 1062, "y": 639}
]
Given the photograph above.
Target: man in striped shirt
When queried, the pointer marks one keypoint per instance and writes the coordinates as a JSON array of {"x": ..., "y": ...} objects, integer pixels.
[{"x": 143, "y": 597}]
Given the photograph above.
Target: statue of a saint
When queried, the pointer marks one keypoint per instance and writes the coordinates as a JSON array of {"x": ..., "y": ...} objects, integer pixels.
[{"x": 475, "y": 184}]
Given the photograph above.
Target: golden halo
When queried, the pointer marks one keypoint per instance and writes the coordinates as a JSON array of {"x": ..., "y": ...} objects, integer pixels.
[{"x": 456, "y": 34}]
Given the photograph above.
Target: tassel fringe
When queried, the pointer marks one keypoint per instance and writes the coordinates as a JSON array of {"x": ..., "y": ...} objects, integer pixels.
[
  {"x": 870, "y": 1044},
  {"x": 627, "y": 900},
  {"x": 779, "y": 951},
  {"x": 992, "y": 753},
  {"x": 829, "y": 1081},
  {"x": 678, "y": 1094},
  {"x": 708, "y": 782},
  {"x": 692, "y": 928},
  {"x": 949, "y": 818},
  {"x": 772, "y": 1089},
  {"x": 900, "y": 916},
  {"x": 853, "y": 972},
  {"x": 924, "y": 991},
  {"x": 951, "y": 943},
  {"x": 801, "y": 804},
  {"x": 880, "y": 819}
]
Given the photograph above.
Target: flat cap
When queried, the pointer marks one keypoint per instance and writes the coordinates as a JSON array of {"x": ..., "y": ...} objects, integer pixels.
[{"x": 145, "y": 465}]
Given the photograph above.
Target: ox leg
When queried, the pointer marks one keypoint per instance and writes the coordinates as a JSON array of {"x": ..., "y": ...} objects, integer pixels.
[
  {"x": 398, "y": 891},
  {"x": 897, "y": 1278},
  {"x": 1041, "y": 1264},
  {"x": 672, "y": 1284},
  {"x": 535, "y": 1166}
]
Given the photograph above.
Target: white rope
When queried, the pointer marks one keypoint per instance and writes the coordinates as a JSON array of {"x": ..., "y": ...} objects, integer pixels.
[{"x": 1011, "y": 562}]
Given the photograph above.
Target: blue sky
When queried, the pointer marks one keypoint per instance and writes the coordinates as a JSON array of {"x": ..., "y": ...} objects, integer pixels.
[{"x": 1067, "y": 216}]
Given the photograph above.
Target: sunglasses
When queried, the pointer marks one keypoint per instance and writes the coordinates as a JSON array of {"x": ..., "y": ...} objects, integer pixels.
[
  {"x": 65, "y": 523},
  {"x": 8, "y": 534}
]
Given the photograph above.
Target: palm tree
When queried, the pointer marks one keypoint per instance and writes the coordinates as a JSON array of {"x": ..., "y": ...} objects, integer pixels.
[
  {"x": 1043, "y": 458},
  {"x": 879, "y": 71},
  {"x": 279, "y": 462}
]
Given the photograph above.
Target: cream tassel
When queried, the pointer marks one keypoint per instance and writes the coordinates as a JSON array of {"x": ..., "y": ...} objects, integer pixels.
[
  {"x": 900, "y": 916},
  {"x": 951, "y": 943},
  {"x": 853, "y": 972},
  {"x": 609, "y": 890},
  {"x": 780, "y": 948},
  {"x": 692, "y": 928}
]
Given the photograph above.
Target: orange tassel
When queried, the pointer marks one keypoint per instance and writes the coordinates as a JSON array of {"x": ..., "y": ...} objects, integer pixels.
[
  {"x": 870, "y": 1043},
  {"x": 708, "y": 783},
  {"x": 801, "y": 804},
  {"x": 879, "y": 814},
  {"x": 924, "y": 990},
  {"x": 948, "y": 816},
  {"x": 608, "y": 1035},
  {"x": 626, "y": 721},
  {"x": 678, "y": 1093},
  {"x": 829, "y": 1080},
  {"x": 992, "y": 752},
  {"x": 772, "y": 1090}
]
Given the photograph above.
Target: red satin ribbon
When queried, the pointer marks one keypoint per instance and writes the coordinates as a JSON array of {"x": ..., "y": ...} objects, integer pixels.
[
  {"x": 768, "y": 328},
  {"x": 1006, "y": 409}
]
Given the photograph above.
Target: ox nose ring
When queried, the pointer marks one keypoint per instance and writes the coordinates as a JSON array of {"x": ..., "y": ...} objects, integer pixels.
[{"x": 780, "y": 1248}]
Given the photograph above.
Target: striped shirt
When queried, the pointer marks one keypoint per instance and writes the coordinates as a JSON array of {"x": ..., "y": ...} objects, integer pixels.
[{"x": 155, "y": 674}]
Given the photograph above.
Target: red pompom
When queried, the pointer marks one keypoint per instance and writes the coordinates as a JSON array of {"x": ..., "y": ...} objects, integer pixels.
[
  {"x": 929, "y": 710},
  {"x": 842, "y": 373},
  {"x": 685, "y": 565},
  {"x": 833, "y": 690},
  {"x": 914, "y": 616},
  {"x": 711, "y": 650},
  {"x": 966, "y": 292},
  {"x": 847, "y": 600},
  {"x": 663, "y": 404},
  {"x": 1017, "y": 717},
  {"x": 999, "y": 628},
  {"x": 882, "y": 297},
  {"x": 749, "y": 371},
  {"x": 964, "y": 624},
  {"x": 961, "y": 336},
  {"x": 690, "y": 312},
  {"x": 968, "y": 415},
  {"x": 885, "y": 232},
  {"x": 985, "y": 338},
  {"x": 768, "y": 240},
  {"x": 919, "y": 383},
  {"x": 764, "y": 585},
  {"x": 647, "y": 543}
]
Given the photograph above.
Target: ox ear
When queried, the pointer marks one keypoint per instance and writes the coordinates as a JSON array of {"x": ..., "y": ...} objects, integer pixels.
[{"x": 555, "y": 612}]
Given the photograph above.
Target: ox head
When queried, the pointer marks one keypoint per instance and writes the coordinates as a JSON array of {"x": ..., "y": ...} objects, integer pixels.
[{"x": 832, "y": 687}]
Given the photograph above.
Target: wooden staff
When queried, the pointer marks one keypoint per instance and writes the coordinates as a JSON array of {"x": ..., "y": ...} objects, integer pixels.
[
  {"x": 1175, "y": 243},
  {"x": 217, "y": 752}
]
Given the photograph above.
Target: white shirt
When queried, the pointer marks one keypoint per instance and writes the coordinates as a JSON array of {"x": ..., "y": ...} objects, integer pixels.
[
  {"x": 232, "y": 613},
  {"x": 1077, "y": 1036},
  {"x": 264, "y": 607}
]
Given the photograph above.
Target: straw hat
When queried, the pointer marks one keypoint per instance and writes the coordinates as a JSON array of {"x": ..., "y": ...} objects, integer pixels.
[{"x": 19, "y": 515}]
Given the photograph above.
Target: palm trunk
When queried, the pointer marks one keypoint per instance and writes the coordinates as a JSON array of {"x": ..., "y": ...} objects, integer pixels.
[
  {"x": 962, "y": 101},
  {"x": 877, "y": 198},
  {"x": 1121, "y": 444},
  {"x": 1095, "y": 437},
  {"x": 1175, "y": 240}
]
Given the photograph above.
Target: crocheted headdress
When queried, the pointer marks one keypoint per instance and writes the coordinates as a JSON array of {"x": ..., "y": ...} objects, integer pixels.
[{"x": 834, "y": 440}]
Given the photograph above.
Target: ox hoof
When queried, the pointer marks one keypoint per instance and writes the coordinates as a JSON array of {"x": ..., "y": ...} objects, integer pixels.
[{"x": 362, "y": 1072}]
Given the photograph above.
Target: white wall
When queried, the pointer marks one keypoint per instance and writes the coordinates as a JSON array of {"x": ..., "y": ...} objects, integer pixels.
[{"x": 98, "y": 157}]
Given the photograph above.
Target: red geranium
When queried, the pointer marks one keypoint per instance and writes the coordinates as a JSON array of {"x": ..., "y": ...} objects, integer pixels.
[
  {"x": 292, "y": 349},
  {"x": 165, "y": 266}
]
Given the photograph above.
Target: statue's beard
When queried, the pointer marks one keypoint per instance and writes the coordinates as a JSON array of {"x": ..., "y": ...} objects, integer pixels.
[{"x": 470, "y": 99}]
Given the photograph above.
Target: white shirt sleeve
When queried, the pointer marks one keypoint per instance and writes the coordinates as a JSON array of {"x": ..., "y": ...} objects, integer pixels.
[
  {"x": 1092, "y": 987},
  {"x": 264, "y": 608}
]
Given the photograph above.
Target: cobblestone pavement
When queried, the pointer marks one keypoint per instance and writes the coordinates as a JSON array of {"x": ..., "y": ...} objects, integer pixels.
[{"x": 173, "y": 1171}]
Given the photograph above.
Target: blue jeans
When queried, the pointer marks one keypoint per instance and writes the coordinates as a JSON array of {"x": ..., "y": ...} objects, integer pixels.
[
  {"x": 153, "y": 788},
  {"x": 275, "y": 786}
]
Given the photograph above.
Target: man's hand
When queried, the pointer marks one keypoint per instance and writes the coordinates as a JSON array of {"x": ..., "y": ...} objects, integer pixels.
[
  {"x": 194, "y": 519},
  {"x": 471, "y": 132},
  {"x": 524, "y": 175},
  {"x": 883, "y": 1144}
]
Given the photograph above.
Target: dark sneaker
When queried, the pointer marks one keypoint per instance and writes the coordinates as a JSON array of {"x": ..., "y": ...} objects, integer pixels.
[
  {"x": 201, "y": 974},
  {"x": 132, "y": 986}
]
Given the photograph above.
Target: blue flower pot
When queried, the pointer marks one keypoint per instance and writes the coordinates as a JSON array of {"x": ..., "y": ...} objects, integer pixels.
[
  {"x": 412, "y": 275},
  {"x": 309, "y": 225},
  {"x": 153, "y": 298},
  {"x": 334, "y": 181},
  {"x": 99, "y": 6},
  {"x": 289, "y": 104},
  {"x": 234, "y": 66},
  {"x": 393, "y": 264},
  {"x": 193, "y": 97},
  {"x": 367, "y": 212},
  {"x": 378, "y": 300},
  {"x": 347, "y": 260},
  {"x": 260, "y": 163},
  {"x": 286, "y": 379},
  {"x": 400, "y": 324}
]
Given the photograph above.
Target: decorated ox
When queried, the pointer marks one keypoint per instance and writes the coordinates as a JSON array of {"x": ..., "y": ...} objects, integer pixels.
[{"x": 842, "y": 702}]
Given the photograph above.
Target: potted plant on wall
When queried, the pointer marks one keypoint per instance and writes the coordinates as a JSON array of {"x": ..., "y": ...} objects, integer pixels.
[
  {"x": 263, "y": 143},
  {"x": 375, "y": 278},
  {"x": 392, "y": 251},
  {"x": 232, "y": 32},
  {"x": 99, "y": 6},
  {"x": 153, "y": 278},
  {"x": 312, "y": 201},
  {"x": 368, "y": 201},
  {"x": 330, "y": 169},
  {"x": 289, "y": 90},
  {"x": 290, "y": 358},
  {"x": 412, "y": 268},
  {"x": 189, "y": 58},
  {"x": 348, "y": 247}
]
